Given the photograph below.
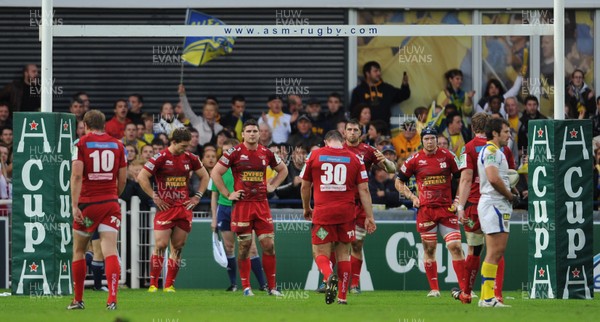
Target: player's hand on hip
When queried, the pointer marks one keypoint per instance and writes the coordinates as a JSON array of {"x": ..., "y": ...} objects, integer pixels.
[
  {"x": 416, "y": 202},
  {"x": 77, "y": 215},
  {"x": 271, "y": 188},
  {"x": 308, "y": 214},
  {"x": 160, "y": 204},
  {"x": 236, "y": 195},
  {"x": 370, "y": 225},
  {"x": 191, "y": 203}
]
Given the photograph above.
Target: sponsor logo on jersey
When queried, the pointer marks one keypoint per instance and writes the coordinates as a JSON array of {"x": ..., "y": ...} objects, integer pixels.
[
  {"x": 364, "y": 175},
  {"x": 252, "y": 176},
  {"x": 149, "y": 165},
  {"x": 175, "y": 182},
  {"x": 335, "y": 159},
  {"x": 333, "y": 187},
  {"x": 426, "y": 224},
  {"x": 431, "y": 180},
  {"x": 224, "y": 160},
  {"x": 100, "y": 176},
  {"x": 186, "y": 166}
]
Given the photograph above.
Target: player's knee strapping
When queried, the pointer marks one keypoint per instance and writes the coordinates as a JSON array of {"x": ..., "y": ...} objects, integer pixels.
[
  {"x": 244, "y": 237},
  {"x": 474, "y": 239},
  {"x": 429, "y": 236},
  {"x": 263, "y": 236},
  {"x": 452, "y": 237},
  {"x": 360, "y": 233}
]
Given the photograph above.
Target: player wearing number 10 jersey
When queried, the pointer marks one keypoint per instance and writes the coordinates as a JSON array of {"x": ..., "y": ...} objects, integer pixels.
[
  {"x": 99, "y": 174},
  {"x": 336, "y": 175}
]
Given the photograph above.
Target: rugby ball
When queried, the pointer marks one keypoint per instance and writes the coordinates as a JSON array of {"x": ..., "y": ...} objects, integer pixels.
[{"x": 513, "y": 177}]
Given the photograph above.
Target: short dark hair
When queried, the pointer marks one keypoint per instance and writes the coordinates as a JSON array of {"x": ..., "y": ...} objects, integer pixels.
[
  {"x": 453, "y": 72},
  {"x": 139, "y": 97},
  {"x": 94, "y": 120},
  {"x": 158, "y": 141},
  {"x": 193, "y": 130},
  {"x": 334, "y": 135},
  {"x": 380, "y": 126},
  {"x": 450, "y": 117},
  {"x": 237, "y": 98},
  {"x": 369, "y": 65},
  {"x": 116, "y": 102},
  {"x": 531, "y": 98},
  {"x": 181, "y": 134},
  {"x": 352, "y": 121},
  {"x": 75, "y": 100},
  {"x": 76, "y": 95},
  {"x": 336, "y": 95},
  {"x": 250, "y": 122},
  {"x": 494, "y": 125}
]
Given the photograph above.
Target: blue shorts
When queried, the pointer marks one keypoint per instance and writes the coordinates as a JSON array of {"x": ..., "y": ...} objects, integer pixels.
[{"x": 223, "y": 218}]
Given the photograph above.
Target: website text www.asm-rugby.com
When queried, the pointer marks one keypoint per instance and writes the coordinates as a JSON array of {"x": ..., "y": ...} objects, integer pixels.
[{"x": 303, "y": 30}]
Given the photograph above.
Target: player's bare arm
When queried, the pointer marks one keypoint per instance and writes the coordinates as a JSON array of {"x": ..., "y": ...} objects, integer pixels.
[
  {"x": 76, "y": 181},
  {"x": 384, "y": 163},
  {"x": 494, "y": 178},
  {"x": 282, "y": 173},
  {"x": 464, "y": 186},
  {"x": 403, "y": 189},
  {"x": 213, "y": 209},
  {"x": 305, "y": 193},
  {"x": 122, "y": 180},
  {"x": 365, "y": 199},
  {"x": 195, "y": 199},
  {"x": 144, "y": 181}
]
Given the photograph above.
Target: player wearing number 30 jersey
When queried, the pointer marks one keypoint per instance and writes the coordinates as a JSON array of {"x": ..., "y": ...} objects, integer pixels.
[{"x": 336, "y": 175}]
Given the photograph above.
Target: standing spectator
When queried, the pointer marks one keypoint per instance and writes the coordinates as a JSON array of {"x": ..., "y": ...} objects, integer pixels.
[
  {"x": 238, "y": 108},
  {"x": 95, "y": 206},
  {"x": 7, "y": 136},
  {"x": 408, "y": 141},
  {"x": 454, "y": 94},
  {"x": 173, "y": 221},
  {"x": 85, "y": 100},
  {"x": 376, "y": 130},
  {"x": 305, "y": 135},
  {"x": 157, "y": 146},
  {"x": 531, "y": 113},
  {"x": 147, "y": 152},
  {"x": 456, "y": 133},
  {"x": 135, "y": 104},
  {"x": 168, "y": 122},
  {"x": 76, "y": 107},
  {"x": 80, "y": 129},
  {"x": 148, "y": 122},
  {"x": 580, "y": 97},
  {"x": 248, "y": 162},
  {"x": 290, "y": 188},
  {"x": 335, "y": 111},
  {"x": 382, "y": 189},
  {"x": 495, "y": 88},
  {"x": 295, "y": 107},
  {"x": 377, "y": 94},
  {"x": 116, "y": 126},
  {"x": 22, "y": 94},
  {"x": 279, "y": 122},
  {"x": 5, "y": 119},
  {"x": 363, "y": 115},
  {"x": 130, "y": 137},
  {"x": 181, "y": 115},
  {"x": 132, "y": 153},
  {"x": 206, "y": 124}
]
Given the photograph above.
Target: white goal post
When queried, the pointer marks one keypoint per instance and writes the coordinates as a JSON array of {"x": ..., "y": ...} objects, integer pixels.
[{"x": 48, "y": 31}]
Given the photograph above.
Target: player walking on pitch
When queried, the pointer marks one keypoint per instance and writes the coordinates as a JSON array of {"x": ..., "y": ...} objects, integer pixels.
[
  {"x": 336, "y": 174},
  {"x": 370, "y": 156},
  {"x": 433, "y": 168},
  {"x": 98, "y": 177},
  {"x": 469, "y": 195},
  {"x": 248, "y": 162},
  {"x": 495, "y": 206},
  {"x": 173, "y": 222}
]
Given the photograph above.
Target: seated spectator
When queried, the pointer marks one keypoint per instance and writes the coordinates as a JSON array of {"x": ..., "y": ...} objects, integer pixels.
[
  {"x": 363, "y": 115},
  {"x": 341, "y": 127},
  {"x": 206, "y": 124},
  {"x": 132, "y": 153},
  {"x": 290, "y": 188},
  {"x": 382, "y": 189},
  {"x": 76, "y": 108},
  {"x": 390, "y": 153},
  {"x": 131, "y": 137},
  {"x": 376, "y": 130},
  {"x": 443, "y": 142},
  {"x": 222, "y": 136},
  {"x": 168, "y": 122},
  {"x": 132, "y": 187},
  {"x": 6, "y": 136},
  {"x": 181, "y": 117},
  {"x": 319, "y": 123},
  {"x": 454, "y": 94},
  {"x": 456, "y": 133},
  {"x": 335, "y": 112},
  {"x": 382, "y": 141},
  {"x": 85, "y": 99},
  {"x": 265, "y": 137},
  {"x": 408, "y": 141},
  {"x": 147, "y": 152},
  {"x": 305, "y": 135},
  {"x": 80, "y": 129},
  {"x": 495, "y": 89},
  {"x": 209, "y": 156},
  {"x": 579, "y": 97},
  {"x": 158, "y": 145},
  {"x": 148, "y": 122},
  {"x": 115, "y": 127},
  {"x": 279, "y": 122},
  {"x": 531, "y": 113},
  {"x": 5, "y": 119},
  {"x": 230, "y": 120}
]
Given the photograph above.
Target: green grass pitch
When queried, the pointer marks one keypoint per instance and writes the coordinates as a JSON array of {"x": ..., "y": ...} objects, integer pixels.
[{"x": 297, "y": 305}]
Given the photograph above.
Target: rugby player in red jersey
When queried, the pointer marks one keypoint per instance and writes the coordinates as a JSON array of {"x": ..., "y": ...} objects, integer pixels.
[
  {"x": 99, "y": 174},
  {"x": 468, "y": 200},
  {"x": 433, "y": 168},
  {"x": 336, "y": 174},
  {"x": 171, "y": 169},
  {"x": 370, "y": 156},
  {"x": 248, "y": 162}
]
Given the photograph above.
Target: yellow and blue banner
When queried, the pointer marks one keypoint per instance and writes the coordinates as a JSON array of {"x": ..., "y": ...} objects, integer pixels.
[{"x": 200, "y": 50}]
